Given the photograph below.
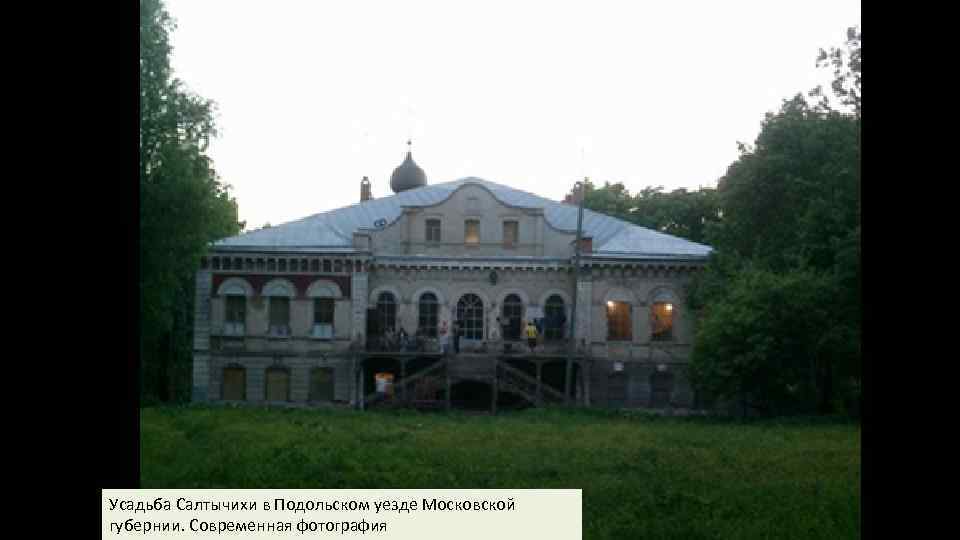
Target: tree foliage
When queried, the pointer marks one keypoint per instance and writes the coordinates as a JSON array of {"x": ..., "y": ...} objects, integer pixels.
[
  {"x": 779, "y": 302},
  {"x": 183, "y": 207},
  {"x": 682, "y": 213}
]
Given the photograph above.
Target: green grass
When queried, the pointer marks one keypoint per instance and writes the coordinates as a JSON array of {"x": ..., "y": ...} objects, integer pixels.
[{"x": 642, "y": 477}]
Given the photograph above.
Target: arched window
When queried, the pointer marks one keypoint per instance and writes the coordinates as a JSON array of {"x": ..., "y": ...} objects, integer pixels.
[
  {"x": 429, "y": 308},
  {"x": 470, "y": 315},
  {"x": 619, "y": 325},
  {"x": 235, "y": 292},
  {"x": 279, "y": 294},
  {"x": 324, "y": 295},
  {"x": 235, "y": 318},
  {"x": 512, "y": 317},
  {"x": 662, "y": 312},
  {"x": 387, "y": 312},
  {"x": 555, "y": 318}
]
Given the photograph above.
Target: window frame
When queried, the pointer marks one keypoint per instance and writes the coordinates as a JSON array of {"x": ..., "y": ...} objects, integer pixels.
[
  {"x": 466, "y": 232},
  {"x": 554, "y": 332},
  {"x": 435, "y": 225},
  {"x": 667, "y": 333},
  {"x": 318, "y": 311},
  {"x": 515, "y": 240},
  {"x": 275, "y": 329},
  {"x": 428, "y": 315},
  {"x": 236, "y": 327},
  {"x": 383, "y": 307},
  {"x": 467, "y": 305},
  {"x": 619, "y": 329}
]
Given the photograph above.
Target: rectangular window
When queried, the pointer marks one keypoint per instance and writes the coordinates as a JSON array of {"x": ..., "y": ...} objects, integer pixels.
[
  {"x": 323, "y": 318},
  {"x": 511, "y": 233},
  {"x": 433, "y": 230},
  {"x": 279, "y": 316},
  {"x": 619, "y": 327},
  {"x": 235, "y": 315},
  {"x": 471, "y": 233}
]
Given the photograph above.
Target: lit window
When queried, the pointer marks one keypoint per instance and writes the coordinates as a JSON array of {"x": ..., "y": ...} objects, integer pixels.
[
  {"x": 619, "y": 327},
  {"x": 433, "y": 230},
  {"x": 661, "y": 319},
  {"x": 511, "y": 233},
  {"x": 472, "y": 232}
]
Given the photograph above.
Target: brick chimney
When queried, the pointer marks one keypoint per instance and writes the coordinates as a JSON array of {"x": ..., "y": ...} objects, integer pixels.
[
  {"x": 586, "y": 244},
  {"x": 365, "y": 194}
]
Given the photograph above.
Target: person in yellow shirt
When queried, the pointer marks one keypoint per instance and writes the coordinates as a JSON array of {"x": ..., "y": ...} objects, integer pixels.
[{"x": 531, "y": 335}]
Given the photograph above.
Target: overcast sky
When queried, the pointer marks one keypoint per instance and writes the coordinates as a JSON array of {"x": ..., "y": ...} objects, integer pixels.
[{"x": 314, "y": 95}]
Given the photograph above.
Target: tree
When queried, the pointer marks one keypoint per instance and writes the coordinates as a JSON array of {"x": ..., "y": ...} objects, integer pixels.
[
  {"x": 779, "y": 302},
  {"x": 183, "y": 207},
  {"x": 682, "y": 213}
]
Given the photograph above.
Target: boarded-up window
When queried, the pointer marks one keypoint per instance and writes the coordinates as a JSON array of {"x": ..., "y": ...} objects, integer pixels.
[
  {"x": 511, "y": 233},
  {"x": 433, "y": 230},
  {"x": 278, "y": 384},
  {"x": 619, "y": 327},
  {"x": 234, "y": 384},
  {"x": 661, "y": 320},
  {"x": 321, "y": 384},
  {"x": 471, "y": 234}
]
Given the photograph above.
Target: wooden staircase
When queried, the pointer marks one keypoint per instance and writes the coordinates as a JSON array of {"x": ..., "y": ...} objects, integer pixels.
[{"x": 421, "y": 389}]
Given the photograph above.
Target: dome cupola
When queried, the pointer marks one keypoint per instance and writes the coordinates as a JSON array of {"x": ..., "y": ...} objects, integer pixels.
[{"x": 408, "y": 175}]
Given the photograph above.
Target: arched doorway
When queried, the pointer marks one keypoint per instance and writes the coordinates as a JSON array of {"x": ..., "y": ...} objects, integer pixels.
[
  {"x": 470, "y": 315},
  {"x": 512, "y": 316},
  {"x": 556, "y": 318}
]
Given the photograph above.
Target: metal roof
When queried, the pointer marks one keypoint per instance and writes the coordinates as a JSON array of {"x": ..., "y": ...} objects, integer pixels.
[{"x": 334, "y": 229}]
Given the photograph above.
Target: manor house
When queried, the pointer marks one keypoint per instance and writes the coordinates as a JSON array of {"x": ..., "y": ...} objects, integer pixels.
[{"x": 312, "y": 311}]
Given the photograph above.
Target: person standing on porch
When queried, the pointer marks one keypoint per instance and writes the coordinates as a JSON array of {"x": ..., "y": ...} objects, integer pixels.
[{"x": 531, "y": 335}]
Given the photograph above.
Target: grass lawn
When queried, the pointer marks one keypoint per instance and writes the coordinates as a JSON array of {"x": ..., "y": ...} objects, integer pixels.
[{"x": 642, "y": 477}]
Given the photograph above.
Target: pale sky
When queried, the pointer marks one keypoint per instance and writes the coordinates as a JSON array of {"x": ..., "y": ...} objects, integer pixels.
[{"x": 314, "y": 95}]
